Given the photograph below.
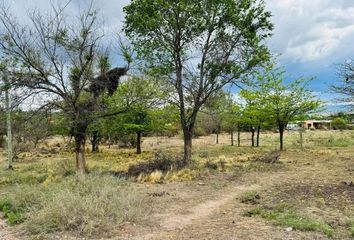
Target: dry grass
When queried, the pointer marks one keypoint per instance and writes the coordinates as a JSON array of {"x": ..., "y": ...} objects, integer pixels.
[
  {"x": 87, "y": 207},
  {"x": 46, "y": 196}
]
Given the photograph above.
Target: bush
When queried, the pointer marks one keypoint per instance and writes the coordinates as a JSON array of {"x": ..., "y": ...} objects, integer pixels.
[
  {"x": 211, "y": 165},
  {"x": 339, "y": 124},
  {"x": 162, "y": 162}
]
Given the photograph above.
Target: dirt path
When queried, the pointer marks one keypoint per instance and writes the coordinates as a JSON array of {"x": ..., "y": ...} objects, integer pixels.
[
  {"x": 171, "y": 223},
  {"x": 202, "y": 210},
  {"x": 219, "y": 215}
]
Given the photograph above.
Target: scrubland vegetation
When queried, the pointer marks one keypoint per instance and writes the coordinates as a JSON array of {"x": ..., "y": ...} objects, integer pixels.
[
  {"x": 306, "y": 190},
  {"x": 184, "y": 135}
]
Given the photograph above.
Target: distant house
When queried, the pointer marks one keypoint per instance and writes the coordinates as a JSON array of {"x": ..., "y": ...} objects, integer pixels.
[{"x": 317, "y": 124}]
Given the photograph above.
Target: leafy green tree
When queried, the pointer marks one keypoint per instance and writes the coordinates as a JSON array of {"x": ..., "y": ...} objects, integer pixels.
[
  {"x": 285, "y": 102},
  {"x": 139, "y": 95},
  {"x": 215, "y": 107},
  {"x": 198, "y": 47},
  {"x": 255, "y": 113},
  {"x": 233, "y": 119}
]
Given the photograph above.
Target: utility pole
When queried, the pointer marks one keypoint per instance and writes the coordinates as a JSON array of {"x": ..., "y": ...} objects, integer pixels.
[{"x": 8, "y": 121}]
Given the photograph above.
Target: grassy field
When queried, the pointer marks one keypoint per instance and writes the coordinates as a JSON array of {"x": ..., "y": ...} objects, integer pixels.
[{"x": 228, "y": 192}]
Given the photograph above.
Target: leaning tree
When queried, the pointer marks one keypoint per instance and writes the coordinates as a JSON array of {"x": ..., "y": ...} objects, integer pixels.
[
  {"x": 198, "y": 47},
  {"x": 57, "y": 57}
]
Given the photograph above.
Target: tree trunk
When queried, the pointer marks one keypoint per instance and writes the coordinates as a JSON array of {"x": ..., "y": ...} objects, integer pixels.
[
  {"x": 187, "y": 137},
  {"x": 80, "y": 139},
  {"x": 218, "y": 130},
  {"x": 281, "y": 137},
  {"x": 301, "y": 138},
  {"x": 232, "y": 136},
  {"x": 252, "y": 131},
  {"x": 258, "y": 134},
  {"x": 80, "y": 128},
  {"x": 138, "y": 142},
  {"x": 8, "y": 124},
  {"x": 238, "y": 137},
  {"x": 95, "y": 142}
]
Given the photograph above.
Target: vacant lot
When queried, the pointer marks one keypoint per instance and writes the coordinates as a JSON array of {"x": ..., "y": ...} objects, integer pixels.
[{"x": 229, "y": 192}]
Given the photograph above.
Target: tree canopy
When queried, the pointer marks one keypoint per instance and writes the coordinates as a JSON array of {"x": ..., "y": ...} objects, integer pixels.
[{"x": 198, "y": 47}]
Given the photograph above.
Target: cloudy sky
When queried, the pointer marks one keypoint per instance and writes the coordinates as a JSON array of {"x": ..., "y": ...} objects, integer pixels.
[{"x": 311, "y": 36}]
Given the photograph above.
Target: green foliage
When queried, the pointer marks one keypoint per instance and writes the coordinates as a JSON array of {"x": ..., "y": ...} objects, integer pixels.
[
  {"x": 255, "y": 112},
  {"x": 140, "y": 101},
  {"x": 282, "y": 216},
  {"x": 250, "y": 197},
  {"x": 350, "y": 227},
  {"x": 279, "y": 102},
  {"x": 284, "y": 102},
  {"x": 339, "y": 124},
  {"x": 13, "y": 215},
  {"x": 232, "y": 115}
]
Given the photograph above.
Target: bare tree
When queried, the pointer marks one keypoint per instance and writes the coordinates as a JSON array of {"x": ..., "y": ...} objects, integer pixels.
[
  {"x": 57, "y": 57},
  {"x": 346, "y": 86}
]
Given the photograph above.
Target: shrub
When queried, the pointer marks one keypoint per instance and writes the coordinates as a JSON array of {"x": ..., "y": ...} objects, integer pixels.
[
  {"x": 211, "y": 165},
  {"x": 339, "y": 124},
  {"x": 162, "y": 162},
  {"x": 271, "y": 157}
]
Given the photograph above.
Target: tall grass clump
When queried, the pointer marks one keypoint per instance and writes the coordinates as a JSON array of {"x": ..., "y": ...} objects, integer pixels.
[{"x": 85, "y": 207}]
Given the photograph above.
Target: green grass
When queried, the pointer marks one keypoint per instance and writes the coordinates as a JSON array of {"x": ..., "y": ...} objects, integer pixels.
[
  {"x": 288, "y": 218},
  {"x": 13, "y": 215},
  {"x": 350, "y": 227},
  {"x": 29, "y": 173},
  {"x": 250, "y": 197}
]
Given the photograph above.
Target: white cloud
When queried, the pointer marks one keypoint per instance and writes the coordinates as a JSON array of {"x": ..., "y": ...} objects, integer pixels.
[
  {"x": 305, "y": 31},
  {"x": 317, "y": 30}
]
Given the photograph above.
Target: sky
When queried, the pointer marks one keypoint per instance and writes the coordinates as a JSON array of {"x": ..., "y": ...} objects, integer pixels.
[{"x": 311, "y": 36}]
